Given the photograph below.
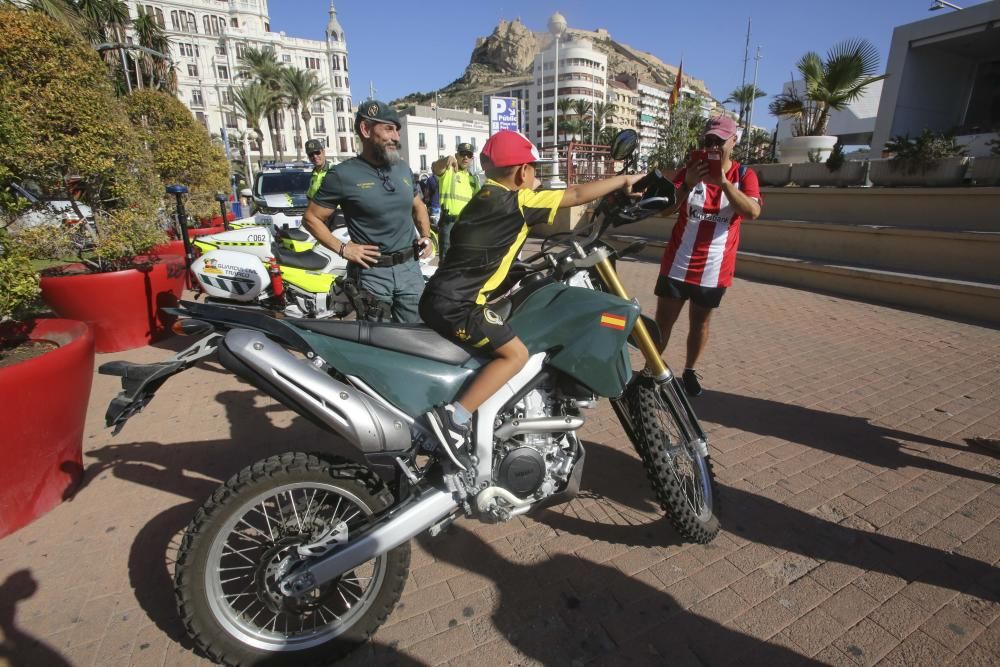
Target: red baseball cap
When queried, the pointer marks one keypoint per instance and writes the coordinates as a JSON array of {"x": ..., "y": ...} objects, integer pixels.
[
  {"x": 507, "y": 148},
  {"x": 721, "y": 126}
]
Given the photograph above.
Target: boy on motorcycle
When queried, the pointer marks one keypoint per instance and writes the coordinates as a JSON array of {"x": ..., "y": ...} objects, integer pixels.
[{"x": 493, "y": 228}]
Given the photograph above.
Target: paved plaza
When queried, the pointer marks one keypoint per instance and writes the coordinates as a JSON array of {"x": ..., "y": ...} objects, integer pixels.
[{"x": 859, "y": 512}]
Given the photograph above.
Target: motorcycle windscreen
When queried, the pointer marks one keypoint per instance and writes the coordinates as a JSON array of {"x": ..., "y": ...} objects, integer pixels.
[{"x": 584, "y": 331}]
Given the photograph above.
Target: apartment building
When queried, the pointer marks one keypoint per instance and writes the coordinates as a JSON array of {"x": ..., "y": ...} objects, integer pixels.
[
  {"x": 207, "y": 39},
  {"x": 428, "y": 133}
]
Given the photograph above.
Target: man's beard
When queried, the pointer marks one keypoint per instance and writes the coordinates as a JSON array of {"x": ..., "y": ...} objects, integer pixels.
[{"x": 387, "y": 154}]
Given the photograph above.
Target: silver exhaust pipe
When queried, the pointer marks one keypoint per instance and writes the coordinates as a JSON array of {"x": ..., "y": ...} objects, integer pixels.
[
  {"x": 431, "y": 507},
  {"x": 360, "y": 419},
  {"x": 539, "y": 425}
]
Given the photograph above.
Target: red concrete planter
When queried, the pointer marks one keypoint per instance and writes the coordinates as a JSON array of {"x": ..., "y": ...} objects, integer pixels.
[
  {"x": 44, "y": 405},
  {"x": 123, "y": 307},
  {"x": 169, "y": 248}
]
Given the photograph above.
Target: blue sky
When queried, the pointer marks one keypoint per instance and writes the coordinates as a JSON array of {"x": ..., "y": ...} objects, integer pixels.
[{"x": 414, "y": 46}]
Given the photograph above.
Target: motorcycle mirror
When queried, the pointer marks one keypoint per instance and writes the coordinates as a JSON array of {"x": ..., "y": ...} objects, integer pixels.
[{"x": 624, "y": 144}]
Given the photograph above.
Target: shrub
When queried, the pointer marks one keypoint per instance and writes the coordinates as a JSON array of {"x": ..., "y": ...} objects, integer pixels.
[
  {"x": 19, "y": 280},
  {"x": 917, "y": 155},
  {"x": 73, "y": 137},
  {"x": 182, "y": 150}
]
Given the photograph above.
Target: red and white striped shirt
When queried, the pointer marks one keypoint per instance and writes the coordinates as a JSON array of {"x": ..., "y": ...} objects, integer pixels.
[{"x": 702, "y": 249}]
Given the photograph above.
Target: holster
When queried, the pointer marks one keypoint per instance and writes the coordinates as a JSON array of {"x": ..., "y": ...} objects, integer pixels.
[{"x": 366, "y": 306}]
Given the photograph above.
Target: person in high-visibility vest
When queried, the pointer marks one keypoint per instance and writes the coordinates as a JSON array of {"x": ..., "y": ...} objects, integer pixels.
[
  {"x": 456, "y": 185},
  {"x": 316, "y": 152}
]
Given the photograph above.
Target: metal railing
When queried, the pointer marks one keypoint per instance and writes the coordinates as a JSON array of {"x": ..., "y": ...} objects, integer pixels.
[{"x": 580, "y": 162}]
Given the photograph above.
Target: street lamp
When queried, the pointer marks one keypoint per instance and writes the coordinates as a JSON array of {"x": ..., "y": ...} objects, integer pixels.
[
  {"x": 941, "y": 4},
  {"x": 557, "y": 26}
]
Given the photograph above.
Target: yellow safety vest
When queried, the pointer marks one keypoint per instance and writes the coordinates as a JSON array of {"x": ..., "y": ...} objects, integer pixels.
[
  {"x": 317, "y": 178},
  {"x": 456, "y": 190}
]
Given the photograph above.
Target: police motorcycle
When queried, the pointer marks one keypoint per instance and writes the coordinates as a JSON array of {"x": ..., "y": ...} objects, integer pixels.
[
  {"x": 281, "y": 269},
  {"x": 299, "y": 558}
]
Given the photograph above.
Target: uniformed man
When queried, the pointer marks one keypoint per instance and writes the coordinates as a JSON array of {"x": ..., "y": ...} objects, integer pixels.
[
  {"x": 316, "y": 152},
  {"x": 456, "y": 185},
  {"x": 387, "y": 221}
]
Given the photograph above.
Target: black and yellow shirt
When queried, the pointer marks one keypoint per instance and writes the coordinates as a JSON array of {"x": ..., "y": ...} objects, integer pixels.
[{"x": 487, "y": 238}]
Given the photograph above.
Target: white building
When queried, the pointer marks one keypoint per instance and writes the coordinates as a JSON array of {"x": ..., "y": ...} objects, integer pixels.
[
  {"x": 583, "y": 72},
  {"x": 427, "y": 135},
  {"x": 207, "y": 38}
]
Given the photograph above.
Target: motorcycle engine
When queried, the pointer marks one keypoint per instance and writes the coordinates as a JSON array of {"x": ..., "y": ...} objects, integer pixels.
[{"x": 534, "y": 464}]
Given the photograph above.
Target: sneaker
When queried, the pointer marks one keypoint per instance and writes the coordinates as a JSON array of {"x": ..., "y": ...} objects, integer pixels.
[
  {"x": 454, "y": 438},
  {"x": 691, "y": 379}
]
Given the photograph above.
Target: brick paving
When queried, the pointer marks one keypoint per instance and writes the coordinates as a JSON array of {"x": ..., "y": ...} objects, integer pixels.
[{"x": 859, "y": 525}]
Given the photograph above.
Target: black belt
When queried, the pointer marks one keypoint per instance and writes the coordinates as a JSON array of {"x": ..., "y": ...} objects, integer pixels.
[{"x": 395, "y": 258}]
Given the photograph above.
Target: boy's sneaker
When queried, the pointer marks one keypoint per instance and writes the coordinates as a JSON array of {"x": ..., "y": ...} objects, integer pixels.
[
  {"x": 691, "y": 379},
  {"x": 454, "y": 438}
]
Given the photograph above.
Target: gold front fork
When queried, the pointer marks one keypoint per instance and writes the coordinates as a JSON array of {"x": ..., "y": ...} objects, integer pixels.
[{"x": 640, "y": 334}]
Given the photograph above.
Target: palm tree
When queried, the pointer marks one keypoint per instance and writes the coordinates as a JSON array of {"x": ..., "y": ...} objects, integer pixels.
[
  {"x": 829, "y": 85},
  {"x": 252, "y": 102},
  {"x": 151, "y": 36},
  {"x": 302, "y": 88},
  {"x": 263, "y": 65},
  {"x": 64, "y": 11},
  {"x": 600, "y": 111},
  {"x": 564, "y": 105},
  {"x": 744, "y": 97},
  {"x": 582, "y": 109}
]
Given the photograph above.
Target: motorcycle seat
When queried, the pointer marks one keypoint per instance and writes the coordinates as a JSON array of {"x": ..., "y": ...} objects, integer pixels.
[
  {"x": 309, "y": 260},
  {"x": 293, "y": 233},
  {"x": 418, "y": 340}
]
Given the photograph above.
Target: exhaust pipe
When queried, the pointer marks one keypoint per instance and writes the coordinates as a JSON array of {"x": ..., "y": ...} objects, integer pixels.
[
  {"x": 361, "y": 420},
  {"x": 539, "y": 425},
  {"x": 409, "y": 521}
]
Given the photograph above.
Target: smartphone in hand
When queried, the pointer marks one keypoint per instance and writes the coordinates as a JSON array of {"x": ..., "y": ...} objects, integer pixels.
[
  {"x": 714, "y": 159},
  {"x": 698, "y": 155}
]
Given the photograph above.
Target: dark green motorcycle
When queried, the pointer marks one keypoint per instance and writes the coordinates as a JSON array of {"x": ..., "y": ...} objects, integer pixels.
[{"x": 299, "y": 558}]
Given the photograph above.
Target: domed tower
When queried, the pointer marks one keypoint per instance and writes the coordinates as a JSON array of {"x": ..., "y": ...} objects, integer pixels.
[{"x": 342, "y": 134}]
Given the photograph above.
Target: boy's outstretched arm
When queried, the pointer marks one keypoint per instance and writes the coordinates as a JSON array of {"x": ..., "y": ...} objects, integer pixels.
[{"x": 588, "y": 192}]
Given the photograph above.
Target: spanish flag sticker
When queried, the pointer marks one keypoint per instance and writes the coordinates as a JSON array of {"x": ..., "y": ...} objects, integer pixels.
[{"x": 613, "y": 321}]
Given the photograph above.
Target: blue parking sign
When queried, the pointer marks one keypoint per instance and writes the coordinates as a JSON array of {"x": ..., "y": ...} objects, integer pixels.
[{"x": 504, "y": 114}]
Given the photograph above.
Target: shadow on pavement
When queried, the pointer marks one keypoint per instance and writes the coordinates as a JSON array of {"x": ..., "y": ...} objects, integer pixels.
[
  {"x": 843, "y": 435},
  {"x": 765, "y": 521},
  {"x": 193, "y": 470},
  {"x": 18, "y": 648},
  {"x": 569, "y": 611}
]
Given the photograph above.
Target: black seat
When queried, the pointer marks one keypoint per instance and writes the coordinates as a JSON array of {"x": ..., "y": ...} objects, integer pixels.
[
  {"x": 293, "y": 233},
  {"x": 416, "y": 339},
  {"x": 309, "y": 260}
]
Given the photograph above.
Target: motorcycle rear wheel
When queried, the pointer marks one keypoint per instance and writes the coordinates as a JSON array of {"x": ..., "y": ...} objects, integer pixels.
[
  {"x": 680, "y": 476},
  {"x": 233, "y": 550}
]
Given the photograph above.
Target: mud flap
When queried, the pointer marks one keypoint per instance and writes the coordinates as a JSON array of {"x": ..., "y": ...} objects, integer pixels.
[{"x": 141, "y": 381}]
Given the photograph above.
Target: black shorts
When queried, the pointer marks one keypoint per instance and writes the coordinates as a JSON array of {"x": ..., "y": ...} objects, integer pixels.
[
  {"x": 707, "y": 297},
  {"x": 467, "y": 323}
]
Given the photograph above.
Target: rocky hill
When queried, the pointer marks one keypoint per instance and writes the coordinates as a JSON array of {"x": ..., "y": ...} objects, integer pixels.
[{"x": 504, "y": 59}]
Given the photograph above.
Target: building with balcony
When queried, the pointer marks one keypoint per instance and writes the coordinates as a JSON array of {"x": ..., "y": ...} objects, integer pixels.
[
  {"x": 583, "y": 72},
  {"x": 428, "y": 133},
  {"x": 208, "y": 37}
]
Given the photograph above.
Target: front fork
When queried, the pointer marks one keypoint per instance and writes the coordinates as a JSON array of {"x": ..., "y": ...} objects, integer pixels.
[{"x": 668, "y": 386}]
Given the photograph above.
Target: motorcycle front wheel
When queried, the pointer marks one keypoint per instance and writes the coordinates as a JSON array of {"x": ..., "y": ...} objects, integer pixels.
[
  {"x": 243, "y": 539},
  {"x": 681, "y": 476}
]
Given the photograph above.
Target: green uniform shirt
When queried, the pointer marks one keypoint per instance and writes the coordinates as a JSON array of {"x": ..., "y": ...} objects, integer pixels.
[
  {"x": 377, "y": 202},
  {"x": 317, "y": 178}
]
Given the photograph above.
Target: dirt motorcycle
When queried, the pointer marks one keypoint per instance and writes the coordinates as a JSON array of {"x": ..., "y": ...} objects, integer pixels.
[{"x": 299, "y": 558}]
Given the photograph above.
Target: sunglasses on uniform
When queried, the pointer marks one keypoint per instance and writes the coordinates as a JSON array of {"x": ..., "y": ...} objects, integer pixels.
[
  {"x": 386, "y": 183},
  {"x": 465, "y": 154},
  {"x": 314, "y": 153}
]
